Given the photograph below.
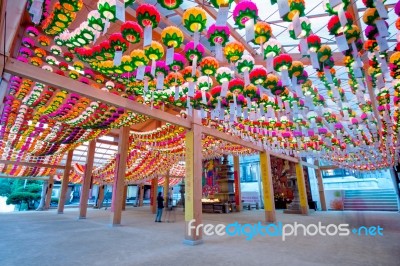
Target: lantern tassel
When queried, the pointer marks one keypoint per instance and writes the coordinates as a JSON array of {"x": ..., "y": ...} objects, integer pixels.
[
  {"x": 148, "y": 36},
  {"x": 194, "y": 66},
  {"x": 285, "y": 77},
  {"x": 270, "y": 63},
  {"x": 153, "y": 67},
  {"x": 170, "y": 56},
  {"x": 117, "y": 58}
]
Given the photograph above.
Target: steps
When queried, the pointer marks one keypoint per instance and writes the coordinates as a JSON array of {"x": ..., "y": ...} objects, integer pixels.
[{"x": 370, "y": 200}]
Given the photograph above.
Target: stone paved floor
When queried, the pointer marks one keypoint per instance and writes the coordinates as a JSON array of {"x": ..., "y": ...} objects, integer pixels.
[{"x": 46, "y": 238}]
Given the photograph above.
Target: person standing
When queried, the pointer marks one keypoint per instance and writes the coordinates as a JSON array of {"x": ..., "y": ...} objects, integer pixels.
[{"x": 160, "y": 207}]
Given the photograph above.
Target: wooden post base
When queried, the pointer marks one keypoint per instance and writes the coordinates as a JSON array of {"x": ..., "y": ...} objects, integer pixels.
[
  {"x": 304, "y": 210},
  {"x": 270, "y": 216}
]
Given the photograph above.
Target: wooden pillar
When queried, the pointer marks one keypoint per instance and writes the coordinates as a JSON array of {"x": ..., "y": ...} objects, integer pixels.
[
  {"x": 65, "y": 182},
  {"x": 119, "y": 179},
  {"x": 193, "y": 187},
  {"x": 124, "y": 197},
  {"x": 141, "y": 194},
  {"x": 153, "y": 194},
  {"x": 166, "y": 190},
  {"x": 301, "y": 186},
  {"x": 321, "y": 189},
  {"x": 49, "y": 191},
  {"x": 238, "y": 193},
  {"x": 87, "y": 179},
  {"x": 100, "y": 197},
  {"x": 268, "y": 189}
]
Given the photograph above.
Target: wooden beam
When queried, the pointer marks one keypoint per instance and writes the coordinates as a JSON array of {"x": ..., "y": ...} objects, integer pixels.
[
  {"x": 328, "y": 167},
  {"x": 303, "y": 163},
  {"x": 11, "y": 15},
  {"x": 108, "y": 142},
  {"x": 229, "y": 138},
  {"x": 87, "y": 180},
  {"x": 267, "y": 186},
  {"x": 32, "y": 164},
  {"x": 65, "y": 182},
  {"x": 283, "y": 156},
  {"x": 119, "y": 180},
  {"x": 18, "y": 68}
]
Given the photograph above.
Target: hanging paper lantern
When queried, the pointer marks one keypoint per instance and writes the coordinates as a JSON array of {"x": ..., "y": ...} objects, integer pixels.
[
  {"x": 282, "y": 61},
  {"x": 296, "y": 69},
  {"x": 233, "y": 51},
  {"x": 192, "y": 52},
  {"x": 224, "y": 74},
  {"x": 117, "y": 42},
  {"x": 39, "y": 52},
  {"x": 236, "y": 86},
  {"x": 221, "y": 3},
  {"x": 246, "y": 63},
  {"x": 68, "y": 56},
  {"x": 252, "y": 92},
  {"x": 271, "y": 81},
  {"x": 32, "y": 31},
  {"x": 107, "y": 9},
  {"x": 215, "y": 92},
  {"x": 36, "y": 61},
  {"x": 324, "y": 53},
  {"x": 278, "y": 89},
  {"x": 99, "y": 79},
  {"x": 335, "y": 10},
  {"x": 194, "y": 19},
  {"x": 73, "y": 74},
  {"x": 28, "y": 42},
  {"x": 197, "y": 101},
  {"x": 56, "y": 50},
  {"x": 218, "y": 35},
  {"x": 244, "y": 11},
  {"x": 58, "y": 21},
  {"x": 170, "y": 4},
  {"x": 25, "y": 52},
  {"x": 296, "y": 8},
  {"x": 131, "y": 31},
  {"x": 161, "y": 67},
  {"x": 71, "y": 5},
  {"x": 204, "y": 83},
  {"x": 139, "y": 58},
  {"x": 187, "y": 74},
  {"x": 258, "y": 75},
  {"x": 305, "y": 29},
  {"x": 370, "y": 16},
  {"x": 352, "y": 34},
  {"x": 209, "y": 66},
  {"x": 44, "y": 40},
  {"x": 172, "y": 37},
  {"x": 95, "y": 21},
  {"x": 334, "y": 26},
  {"x": 370, "y": 45},
  {"x": 78, "y": 65},
  {"x": 174, "y": 79},
  {"x": 147, "y": 15},
  {"x": 178, "y": 62},
  {"x": 154, "y": 51},
  {"x": 314, "y": 42},
  {"x": 63, "y": 66},
  {"x": 272, "y": 48},
  {"x": 262, "y": 32}
]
